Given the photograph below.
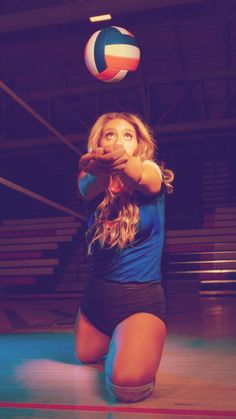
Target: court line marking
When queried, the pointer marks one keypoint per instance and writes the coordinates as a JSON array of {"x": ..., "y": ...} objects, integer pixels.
[{"x": 122, "y": 409}]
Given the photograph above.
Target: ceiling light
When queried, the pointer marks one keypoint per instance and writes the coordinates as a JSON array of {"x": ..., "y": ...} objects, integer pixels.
[{"x": 99, "y": 18}]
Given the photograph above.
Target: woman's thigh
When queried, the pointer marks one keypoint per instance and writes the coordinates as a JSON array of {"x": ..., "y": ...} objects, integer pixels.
[
  {"x": 90, "y": 343},
  {"x": 135, "y": 350}
]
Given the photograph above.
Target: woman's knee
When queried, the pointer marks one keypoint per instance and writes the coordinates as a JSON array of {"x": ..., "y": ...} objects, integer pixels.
[
  {"x": 129, "y": 393},
  {"x": 86, "y": 355},
  {"x": 90, "y": 344},
  {"x": 126, "y": 377},
  {"x": 84, "y": 358},
  {"x": 81, "y": 355}
]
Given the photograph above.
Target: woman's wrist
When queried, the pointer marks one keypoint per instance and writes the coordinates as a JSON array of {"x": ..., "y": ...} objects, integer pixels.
[
  {"x": 98, "y": 180},
  {"x": 133, "y": 170},
  {"x": 91, "y": 185}
]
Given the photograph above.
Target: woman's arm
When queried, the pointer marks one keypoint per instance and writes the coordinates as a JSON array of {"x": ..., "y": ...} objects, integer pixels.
[
  {"x": 91, "y": 185},
  {"x": 98, "y": 166},
  {"x": 144, "y": 176},
  {"x": 91, "y": 181}
]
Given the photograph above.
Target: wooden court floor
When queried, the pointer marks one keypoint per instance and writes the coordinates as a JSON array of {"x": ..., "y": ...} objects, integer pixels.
[{"x": 40, "y": 377}]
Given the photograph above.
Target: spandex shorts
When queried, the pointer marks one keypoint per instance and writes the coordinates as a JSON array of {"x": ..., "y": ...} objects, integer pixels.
[{"x": 105, "y": 304}]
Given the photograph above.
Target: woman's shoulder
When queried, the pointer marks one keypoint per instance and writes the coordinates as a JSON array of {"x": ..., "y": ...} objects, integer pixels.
[{"x": 153, "y": 164}]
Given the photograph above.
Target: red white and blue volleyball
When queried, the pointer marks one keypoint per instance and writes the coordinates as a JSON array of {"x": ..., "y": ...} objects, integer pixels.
[{"x": 111, "y": 53}]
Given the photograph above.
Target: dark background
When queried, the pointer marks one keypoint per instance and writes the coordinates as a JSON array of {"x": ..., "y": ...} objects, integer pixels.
[{"x": 185, "y": 88}]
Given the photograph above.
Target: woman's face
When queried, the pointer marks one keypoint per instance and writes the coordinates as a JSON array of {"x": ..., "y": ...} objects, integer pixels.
[{"x": 119, "y": 131}]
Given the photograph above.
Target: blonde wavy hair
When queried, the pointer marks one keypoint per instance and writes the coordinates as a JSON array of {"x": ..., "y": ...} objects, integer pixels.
[{"x": 122, "y": 208}]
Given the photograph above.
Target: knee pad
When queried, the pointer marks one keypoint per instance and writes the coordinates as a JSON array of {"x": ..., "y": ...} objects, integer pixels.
[{"x": 129, "y": 394}]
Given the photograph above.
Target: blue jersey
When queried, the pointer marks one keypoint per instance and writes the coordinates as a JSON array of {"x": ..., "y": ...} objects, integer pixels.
[{"x": 140, "y": 261}]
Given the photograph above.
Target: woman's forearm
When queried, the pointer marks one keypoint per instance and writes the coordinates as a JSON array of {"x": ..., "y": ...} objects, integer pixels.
[
  {"x": 132, "y": 173},
  {"x": 91, "y": 185},
  {"x": 142, "y": 176}
]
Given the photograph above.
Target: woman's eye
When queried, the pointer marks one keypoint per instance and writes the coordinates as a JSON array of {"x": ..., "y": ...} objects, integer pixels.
[
  {"x": 128, "y": 136},
  {"x": 109, "y": 135}
]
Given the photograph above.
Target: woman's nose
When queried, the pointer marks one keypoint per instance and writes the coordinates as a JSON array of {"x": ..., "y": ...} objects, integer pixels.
[{"x": 118, "y": 140}]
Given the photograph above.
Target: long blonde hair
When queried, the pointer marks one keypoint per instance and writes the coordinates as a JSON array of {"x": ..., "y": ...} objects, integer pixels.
[{"x": 122, "y": 208}]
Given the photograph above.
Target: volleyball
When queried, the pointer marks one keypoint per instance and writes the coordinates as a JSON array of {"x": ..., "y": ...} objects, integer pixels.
[{"x": 111, "y": 53}]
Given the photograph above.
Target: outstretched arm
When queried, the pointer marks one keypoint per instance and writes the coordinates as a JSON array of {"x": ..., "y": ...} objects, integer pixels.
[
  {"x": 143, "y": 176},
  {"x": 91, "y": 180},
  {"x": 91, "y": 185},
  {"x": 99, "y": 165}
]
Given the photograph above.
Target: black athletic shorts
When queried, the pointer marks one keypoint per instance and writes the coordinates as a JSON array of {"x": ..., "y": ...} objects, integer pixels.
[{"x": 106, "y": 303}]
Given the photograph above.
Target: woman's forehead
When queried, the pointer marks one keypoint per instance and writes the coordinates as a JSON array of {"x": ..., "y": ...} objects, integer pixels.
[{"x": 118, "y": 123}]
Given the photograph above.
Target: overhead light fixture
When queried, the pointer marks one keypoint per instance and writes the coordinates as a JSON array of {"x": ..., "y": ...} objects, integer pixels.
[{"x": 99, "y": 18}]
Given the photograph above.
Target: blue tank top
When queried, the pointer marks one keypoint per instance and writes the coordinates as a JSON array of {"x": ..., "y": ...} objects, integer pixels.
[{"x": 140, "y": 261}]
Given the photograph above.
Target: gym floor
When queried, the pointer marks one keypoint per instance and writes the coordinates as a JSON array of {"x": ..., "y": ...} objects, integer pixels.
[{"x": 41, "y": 378}]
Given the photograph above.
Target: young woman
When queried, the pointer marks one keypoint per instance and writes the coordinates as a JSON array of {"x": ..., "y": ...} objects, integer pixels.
[{"x": 123, "y": 309}]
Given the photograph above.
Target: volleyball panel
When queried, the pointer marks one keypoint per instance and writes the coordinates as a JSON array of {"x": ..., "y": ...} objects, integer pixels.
[
  {"x": 111, "y": 75},
  {"x": 89, "y": 54},
  {"x": 123, "y": 57}
]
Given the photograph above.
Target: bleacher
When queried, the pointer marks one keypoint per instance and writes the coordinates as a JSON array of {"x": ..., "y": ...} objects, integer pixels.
[
  {"x": 203, "y": 260},
  {"x": 36, "y": 250},
  {"x": 48, "y": 255}
]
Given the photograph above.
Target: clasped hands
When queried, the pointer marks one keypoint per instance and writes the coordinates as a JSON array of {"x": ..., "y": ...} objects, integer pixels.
[{"x": 109, "y": 160}]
